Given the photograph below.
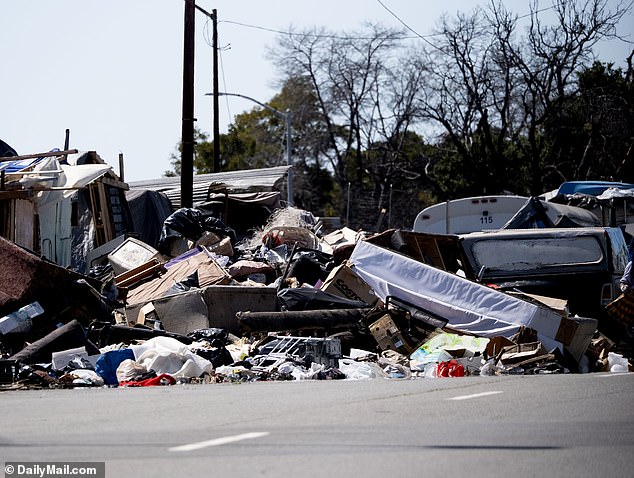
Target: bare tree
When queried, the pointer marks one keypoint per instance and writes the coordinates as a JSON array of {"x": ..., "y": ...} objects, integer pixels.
[
  {"x": 493, "y": 87},
  {"x": 366, "y": 93}
]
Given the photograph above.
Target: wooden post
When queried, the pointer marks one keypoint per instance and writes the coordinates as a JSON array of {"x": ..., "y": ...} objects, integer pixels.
[{"x": 121, "y": 170}]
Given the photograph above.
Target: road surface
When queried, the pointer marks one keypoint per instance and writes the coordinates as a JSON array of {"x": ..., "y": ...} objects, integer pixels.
[{"x": 513, "y": 426}]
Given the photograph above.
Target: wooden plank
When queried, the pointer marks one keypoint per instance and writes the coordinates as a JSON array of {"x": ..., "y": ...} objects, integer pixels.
[
  {"x": 115, "y": 182},
  {"x": 149, "y": 269},
  {"x": 19, "y": 194},
  {"x": 39, "y": 155},
  {"x": 105, "y": 212},
  {"x": 100, "y": 238}
]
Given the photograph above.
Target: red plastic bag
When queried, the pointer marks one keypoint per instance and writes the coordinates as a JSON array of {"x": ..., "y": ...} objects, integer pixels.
[{"x": 450, "y": 369}]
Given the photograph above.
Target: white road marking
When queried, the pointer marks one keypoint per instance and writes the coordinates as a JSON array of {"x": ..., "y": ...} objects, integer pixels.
[
  {"x": 475, "y": 395},
  {"x": 218, "y": 441},
  {"x": 614, "y": 374}
]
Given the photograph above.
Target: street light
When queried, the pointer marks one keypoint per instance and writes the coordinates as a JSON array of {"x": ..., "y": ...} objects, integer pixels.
[{"x": 287, "y": 121}]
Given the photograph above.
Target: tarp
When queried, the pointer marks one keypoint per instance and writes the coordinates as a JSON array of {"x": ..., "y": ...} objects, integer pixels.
[
  {"x": 468, "y": 306},
  {"x": 6, "y": 150},
  {"x": 77, "y": 177},
  {"x": 593, "y": 188},
  {"x": 149, "y": 209},
  {"x": 541, "y": 214},
  {"x": 612, "y": 193}
]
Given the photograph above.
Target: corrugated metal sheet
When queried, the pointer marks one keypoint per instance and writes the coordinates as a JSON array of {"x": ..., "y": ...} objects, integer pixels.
[{"x": 264, "y": 179}]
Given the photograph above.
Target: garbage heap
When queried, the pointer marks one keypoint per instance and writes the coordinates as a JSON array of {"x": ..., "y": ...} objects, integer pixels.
[{"x": 287, "y": 302}]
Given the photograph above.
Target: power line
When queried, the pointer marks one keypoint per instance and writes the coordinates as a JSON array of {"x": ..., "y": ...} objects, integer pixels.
[
  {"x": 425, "y": 37},
  {"x": 407, "y": 26},
  {"x": 386, "y": 8},
  {"x": 224, "y": 84},
  {"x": 315, "y": 35}
]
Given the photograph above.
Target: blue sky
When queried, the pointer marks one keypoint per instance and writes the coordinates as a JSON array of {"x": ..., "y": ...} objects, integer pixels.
[{"x": 111, "y": 71}]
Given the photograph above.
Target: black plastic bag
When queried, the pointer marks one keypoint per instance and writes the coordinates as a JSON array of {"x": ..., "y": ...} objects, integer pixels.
[{"x": 191, "y": 223}]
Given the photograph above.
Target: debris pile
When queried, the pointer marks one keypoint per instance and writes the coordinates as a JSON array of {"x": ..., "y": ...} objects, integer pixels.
[{"x": 286, "y": 302}]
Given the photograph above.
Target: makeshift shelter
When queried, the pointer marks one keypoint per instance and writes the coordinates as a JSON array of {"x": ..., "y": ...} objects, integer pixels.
[
  {"x": 62, "y": 204},
  {"x": 610, "y": 201},
  {"x": 229, "y": 182},
  {"x": 243, "y": 200}
]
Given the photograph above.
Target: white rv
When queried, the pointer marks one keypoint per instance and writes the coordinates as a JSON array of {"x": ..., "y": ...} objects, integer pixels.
[{"x": 465, "y": 215}]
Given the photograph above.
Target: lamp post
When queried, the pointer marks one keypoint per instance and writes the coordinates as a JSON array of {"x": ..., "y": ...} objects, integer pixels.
[{"x": 287, "y": 121}]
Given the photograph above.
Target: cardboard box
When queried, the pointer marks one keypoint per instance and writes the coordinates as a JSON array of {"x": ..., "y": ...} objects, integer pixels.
[
  {"x": 389, "y": 337},
  {"x": 343, "y": 282},
  {"x": 180, "y": 313},
  {"x": 576, "y": 333}
]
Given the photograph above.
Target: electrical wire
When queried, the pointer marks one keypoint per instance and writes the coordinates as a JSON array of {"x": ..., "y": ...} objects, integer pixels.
[
  {"x": 224, "y": 82},
  {"x": 407, "y": 26},
  {"x": 425, "y": 37},
  {"x": 315, "y": 35},
  {"x": 346, "y": 37}
]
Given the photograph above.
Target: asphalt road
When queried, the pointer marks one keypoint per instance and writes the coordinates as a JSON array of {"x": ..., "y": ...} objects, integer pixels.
[{"x": 513, "y": 426}]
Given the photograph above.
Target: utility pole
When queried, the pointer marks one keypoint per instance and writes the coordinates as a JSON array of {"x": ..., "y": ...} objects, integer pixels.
[
  {"x": 289, "y": 161},
  {"x": 187, "y": 139},
  {"x": 215, "y": 91},
  {"x": 216, "y": 115}
]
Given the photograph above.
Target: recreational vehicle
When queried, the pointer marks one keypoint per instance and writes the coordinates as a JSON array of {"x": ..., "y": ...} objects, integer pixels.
[{"x": 468, "y": 214}]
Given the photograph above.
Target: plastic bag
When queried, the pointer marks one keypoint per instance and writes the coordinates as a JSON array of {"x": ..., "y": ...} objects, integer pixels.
[
  {"x": 617, "y": 363},
  {"x": 450, "y": 369},
  {"x": 360, "y": 370},
  {"x": 87, "y": 377},
  {"x": 129, "y": 370},
  {"x": 168, "y": 355},
  {"x": 108, "y": 363}
]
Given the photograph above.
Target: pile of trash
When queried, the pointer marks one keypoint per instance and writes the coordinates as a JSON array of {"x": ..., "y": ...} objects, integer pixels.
[{"x": 289, "y": 302}]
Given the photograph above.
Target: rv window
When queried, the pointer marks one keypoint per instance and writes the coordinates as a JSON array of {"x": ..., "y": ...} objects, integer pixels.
[{"x": 536, "y": 253}]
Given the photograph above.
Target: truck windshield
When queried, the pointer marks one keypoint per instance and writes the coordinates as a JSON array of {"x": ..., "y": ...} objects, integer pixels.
[{"x": 528, "y": 254}]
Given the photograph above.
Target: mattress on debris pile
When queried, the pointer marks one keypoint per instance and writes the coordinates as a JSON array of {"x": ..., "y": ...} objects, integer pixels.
[{"x": 469, "y": 307}]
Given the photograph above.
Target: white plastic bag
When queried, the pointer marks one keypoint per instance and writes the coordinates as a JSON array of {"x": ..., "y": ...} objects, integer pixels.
[
  {"x": 129, "y": 370},
  {"x": 360, "y": 370},
  {"x": 87, "y": 377},
  {"x": 617, "y": 363},
  {"x": 168, "y": 355}
]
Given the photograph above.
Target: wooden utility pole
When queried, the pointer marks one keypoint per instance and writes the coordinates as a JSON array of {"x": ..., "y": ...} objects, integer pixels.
[
  {"x": 215, "y": 113},
  {"x": 215, "y": 92},
  {"x": 187, "y": 139}
]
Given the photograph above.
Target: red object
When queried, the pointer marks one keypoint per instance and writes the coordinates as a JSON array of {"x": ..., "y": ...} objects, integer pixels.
[
  {"x": 163, "y": 379},
  {"x": 450, "y": 369}
]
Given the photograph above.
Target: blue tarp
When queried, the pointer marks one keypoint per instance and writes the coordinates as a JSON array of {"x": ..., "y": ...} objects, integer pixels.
[{"x": 592, "y": 188}]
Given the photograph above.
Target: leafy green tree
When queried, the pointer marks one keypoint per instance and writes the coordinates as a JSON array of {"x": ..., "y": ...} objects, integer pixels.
[
  {"x": 203, "y": 155},
  {"x": 591, "y": 134},
  {"x": 257, "y": 139}
]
